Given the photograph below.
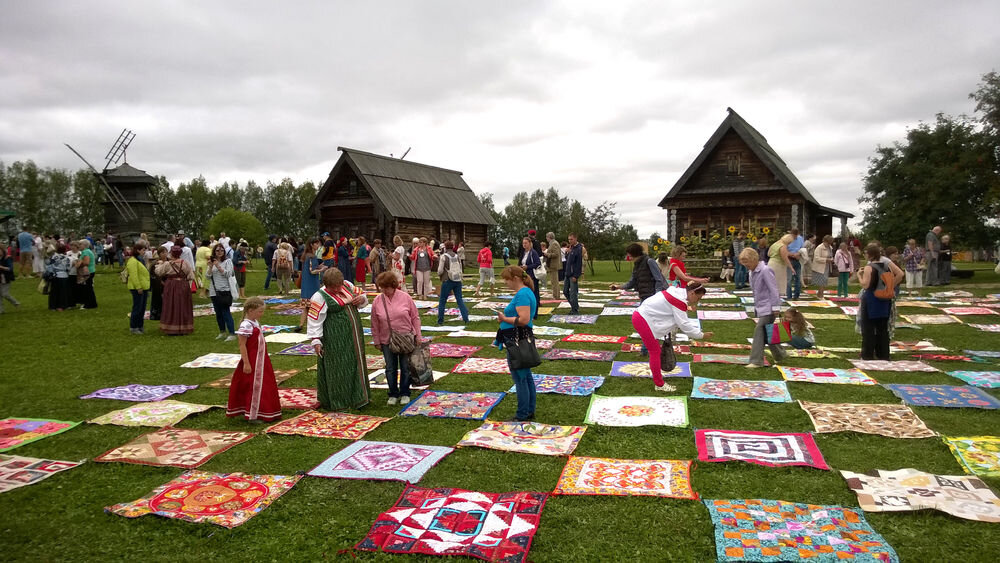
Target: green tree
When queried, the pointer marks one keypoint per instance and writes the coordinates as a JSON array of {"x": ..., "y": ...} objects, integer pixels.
[
  {"x": 194, "y": 205},
  {"x": 88, "y": 195},
  {"x": 236, "y": 224}
]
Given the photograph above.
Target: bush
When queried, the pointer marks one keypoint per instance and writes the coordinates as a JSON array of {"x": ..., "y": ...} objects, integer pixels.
[{"x": 237, "y": 224}]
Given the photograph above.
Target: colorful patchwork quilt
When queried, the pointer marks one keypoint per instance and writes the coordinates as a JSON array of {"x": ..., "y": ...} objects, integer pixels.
[
  {"x": 721, "y": 315},
  {"x": 600, "y": 338},
  {"x": 448, "y": 404},
  {"x": 945, "y": 358},
  {"x": 824, "y": 304},
  {"x": 223, "y": 361},
  {"x": 468, "y": 333},
  {"x": 303, "y": 349},
  {"x": 968, "y": 311},
  {"x": 280, "y": 375},
  {"x": 726, "y": 345},
  {"x": 441, "y": 350},
  {"x": 581, "y": 304},
  {"x": 909, "y": 489},
  {"x": 542, "y": 344},
  {"x": 930, "y": 319},
  {"x": 984, "y": 353},
  {"x": 298, "y": 399},
  {"x": 574, "y": 319},
  {"x": 158, "y": 413},
  {"x": 669, "y": 478},
  {"x": 808, "y": 353},
  {"x": 579, "y": 385},
  {"x": 286, "y": 338},
  {"x": 482, "y": 365},
  {"x": 618, "y": 311},
  {"x": 541, "y": 330},
  {"x": 848, "y": 310},
  {"x": 525, "y": 437},
  {"x": 921, "y": 346},
  {"x": 641, "y": 369},
  {"x": 339, "y": 425},
  {"x": 762, "y": 448},
  {"x": 17, "y": 471},
  {"x": 955, "y": 396},
  {"x": 388, "y": 461},
  {"x": 591, "y": 355},
  {"x": 852, "y": 376},
  {"x": 900, "y": 365},
  {"x": 631, "y": 347},
  {"x": 894, "y": 421},
  {"x": 138, "y": 393},
  {"x": 721, "y": 359},
  {"x": 985, "y": 379},
  {"x": 374, "y": 361},
  {"x": 986, "y": 328},
  {"x": 977, "y": 454},
  {"x": 223, "y": 499},
  {"x": 637, "y": 411},
  {"x": 175, "y": 447},
  {"x": 825, "y": 317},
  {"x": 491, "y": 526},
  {"x": 770, "y": 391},
  {"x": 776, "y": 530}
]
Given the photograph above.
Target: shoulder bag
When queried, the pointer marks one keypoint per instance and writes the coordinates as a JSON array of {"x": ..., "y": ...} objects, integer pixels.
[
  {"x": 399, "y": 342},
  {"x": 668, "y": 359},
  {"x": 521, "y": 350}
]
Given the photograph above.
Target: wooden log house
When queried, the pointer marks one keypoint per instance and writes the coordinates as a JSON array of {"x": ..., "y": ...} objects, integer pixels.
[
  {"x": 739, "y": 180},
  {"x": 378, "y": 196}
]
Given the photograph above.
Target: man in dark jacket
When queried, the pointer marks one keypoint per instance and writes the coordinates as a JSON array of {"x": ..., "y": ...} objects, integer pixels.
[
  {"x": 269, "y": 249},
  {"x": 573, "y": 271}
]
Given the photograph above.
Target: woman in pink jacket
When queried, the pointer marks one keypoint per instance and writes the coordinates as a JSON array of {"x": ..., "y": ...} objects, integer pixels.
[{"x": 394, "y": 311}]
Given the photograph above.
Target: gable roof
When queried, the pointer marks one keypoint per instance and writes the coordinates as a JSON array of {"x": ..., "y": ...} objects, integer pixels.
[
  {"x": 410, "y": 189},
  {"x": 757, "y": 144}
]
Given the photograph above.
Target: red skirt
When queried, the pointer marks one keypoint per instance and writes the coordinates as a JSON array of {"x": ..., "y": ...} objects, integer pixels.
[
  {"x": 360, "y": 270},
  {"x": 254, "y": 395}
]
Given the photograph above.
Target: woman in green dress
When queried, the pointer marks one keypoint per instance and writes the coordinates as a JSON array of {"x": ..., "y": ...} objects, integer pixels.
[{"x": 337, "y": 337}]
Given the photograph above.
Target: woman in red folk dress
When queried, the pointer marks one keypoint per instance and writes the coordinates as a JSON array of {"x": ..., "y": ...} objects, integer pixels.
[{"x": 253, "y": 393}]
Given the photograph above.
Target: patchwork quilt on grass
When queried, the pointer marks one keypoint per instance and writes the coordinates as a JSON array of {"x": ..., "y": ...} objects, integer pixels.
[
  {"x": 721, "y": 315},
  {"x": 984, "y": 353},
  {"x": 641, "y": 369},
  {"x": 389, "y": 461},
  {"x": 541, "y": 330},
  {"x": 280, "y": 375},
  {"x": 16, "y": 432},
  {"x": 954, "y": 396},
  {"x": 808, "y": 353},
  {"x": 580, "y": 385},
  {"x": 482, "y": 365},
  {"x": 900, "y": 365},
  {"x": 590, "y": 355},
  {"x": 919, "y": 346},
  {"x": 909, "y": 489},
  {"x": 222, "y": 361},
  {"x": 175, "y": 447},
  {"x": 726, "y": 345},
  {"x": 776, "y": 530},
  {"x": 339, "y": 425},
  {"x": 448, "y": 404},
  {"x": 977, "y": 454},
  {"x": 600, "y": 338},
  {"x": 986, "y": 328},
  {"x": 17, "y": 471},
  {"x": 574, "y": 319},
  {"x": 224, "y": 499},
  {"x": 298, "y": 399},
  {"x": 761, "y": 448},
  {"x": 628, "y": 477},
  {"x": 930, "y": 319},
  {"x": 894, "y": 421},
  {"x": 721, "y": 359},
  {"x": 158, "y": 413},
  {"x": 286, "y": 337},
  {"x": 617, "y": 311},
  {"x": 374, "y": 361},
  {"x": 302, "y": 349},
  {"x": 525, "y": 437},
  {"x": 495, "y": 527},
  {"x": 637, "y": 411},
  {"x": 770, "y": 391},
  {"x": 968, "y": 311},
  {"x": 985, "y": 379},
  {"x": 852, "y": 376},
  {"x": 138, "y": 393},
  {"x": 442, "y": 350}
]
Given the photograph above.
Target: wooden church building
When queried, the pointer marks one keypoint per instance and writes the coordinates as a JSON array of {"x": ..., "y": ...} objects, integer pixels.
[
  {"x": 739, "y": 180},
  {"x": 377, "y": 196}
]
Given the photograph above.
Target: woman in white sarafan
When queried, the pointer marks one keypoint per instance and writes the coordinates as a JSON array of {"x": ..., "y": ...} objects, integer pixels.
[{"x": 663, "y": 313}]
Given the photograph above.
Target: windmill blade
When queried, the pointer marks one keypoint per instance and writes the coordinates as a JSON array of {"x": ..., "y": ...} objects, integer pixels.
[{"x": 114, "y": 196}]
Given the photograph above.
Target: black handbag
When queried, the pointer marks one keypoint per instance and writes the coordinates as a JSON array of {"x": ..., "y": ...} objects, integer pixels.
[
  {"x": 521, "y": 350},
  {"x": 668, "y": 360}
]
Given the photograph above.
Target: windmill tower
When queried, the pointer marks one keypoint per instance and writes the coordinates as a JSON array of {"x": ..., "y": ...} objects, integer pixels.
[{"x": 129, "y": 200}]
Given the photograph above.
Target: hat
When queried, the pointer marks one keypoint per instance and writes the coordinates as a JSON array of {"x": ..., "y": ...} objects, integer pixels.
[
  {"x": 326, "y": 234},
  {"x": 531, "y": 231},
  {"x": 180, "y": 232}
]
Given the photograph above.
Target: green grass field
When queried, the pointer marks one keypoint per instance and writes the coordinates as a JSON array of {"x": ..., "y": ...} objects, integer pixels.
[{"x": 49, "y": 359}]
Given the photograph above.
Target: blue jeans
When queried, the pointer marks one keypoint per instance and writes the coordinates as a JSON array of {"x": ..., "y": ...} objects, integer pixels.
[
  {"x": 267, "y": 281},
  {"x": 397, "y": 373},
  {"x": 794, "y": 285},
  {"x": 800, "y": 343},
  {"x": 138, "y": 308},
  {"x": 221, "y": 302},
  {"x": 740, "y": 275},
  {"x": 524, "y": 384},
  {"x": 571, "y": 289},
  {"x": 448, "y": 287}
]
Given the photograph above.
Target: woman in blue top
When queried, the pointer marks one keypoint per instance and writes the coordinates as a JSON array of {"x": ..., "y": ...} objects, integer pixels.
[
  {"x": 519, "y": 313},
  {"x": 529, "y": 262},
  {"x": 312, "y": 271},
  {"x": 874, "y": 311}
]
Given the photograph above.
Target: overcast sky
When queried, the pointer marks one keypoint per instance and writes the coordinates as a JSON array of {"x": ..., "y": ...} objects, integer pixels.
[{"x": 602, "y": 100}]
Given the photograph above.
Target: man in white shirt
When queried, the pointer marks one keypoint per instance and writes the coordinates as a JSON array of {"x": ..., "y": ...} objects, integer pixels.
[{"x": 224, "y": 241}]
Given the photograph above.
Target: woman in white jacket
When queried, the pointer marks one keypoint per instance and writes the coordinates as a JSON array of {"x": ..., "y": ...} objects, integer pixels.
[{"x": 664, "y": 313}]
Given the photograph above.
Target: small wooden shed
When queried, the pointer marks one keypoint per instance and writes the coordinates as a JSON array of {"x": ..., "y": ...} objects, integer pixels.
[{"x": 379, "y": 196}]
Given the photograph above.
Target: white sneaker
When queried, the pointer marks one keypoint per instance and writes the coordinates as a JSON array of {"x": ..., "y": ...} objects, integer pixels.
[
  {"x": 392, "y": 401},
  {"x": 666, "y": 387},
  {"x": 404, "y": 400},
  {"x": 221, "y": 336},
  {"x": 230, "y": 338}
]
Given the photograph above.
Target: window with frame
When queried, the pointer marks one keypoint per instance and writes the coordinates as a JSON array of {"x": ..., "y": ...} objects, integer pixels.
[
  {"x": 733, "y": 163},
  {"x": 352, "y": 187}
]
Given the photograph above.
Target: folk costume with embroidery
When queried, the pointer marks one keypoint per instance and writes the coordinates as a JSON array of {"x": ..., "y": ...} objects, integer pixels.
[
  {"x": 334, "y": 322},
  {"x": 254, "y": 395}
]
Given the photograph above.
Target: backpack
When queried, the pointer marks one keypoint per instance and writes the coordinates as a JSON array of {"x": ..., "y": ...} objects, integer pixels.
[
  {"x": 454, "y": 268},
  {"x": 283, "y": 262},
  {"x": 885, "y": 282}
]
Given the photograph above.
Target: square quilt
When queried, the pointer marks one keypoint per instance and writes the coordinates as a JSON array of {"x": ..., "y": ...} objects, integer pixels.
[
  {"x": 637, "y": 411},
  {"x": 303, "y": 349},
  {"x": 223, "y": 499},
  {"x": 984, "y": 353},
  {"x": 574, "y": 319},
  {"x": 909, "y": 489},
  {"x": 280, "y": 375},
  {"x": 852, "y": 376},
  {"x": 16, "y": 432},
  {"x": 444, "y": 521},
  {"x": 977, "y": 454},
  {"x": 985, "y": 379},
  {"x": 668, "y": 478},
  {"x": 542, "y": 344},
  {"x": 138, "y": 393},
  {"x": 900, "y": 365},
  {"x": 17, "y": 471},
  {"x": 944, "y": 357},
  {"x": 986, "y": 328},
  {"x": 823, "y": 304},
  {"x": 482, "y": 365},
  {"x": 725, "y": 345},
  {"x": 525, "y": 437},
  {"x": 632, "y": 347},
  {"x": 448, "y": 404},
  {"x": 374, "y": 361},
  {"x": 590, "y": 355},
  {"x": 776, "y": 530},
  {"x": 582, "y": 305},
  {"x": 769, "y": 391},
  {"x": 618, "y": 311},
  {"x": 175, "y": 447},
  {"x": 440, "y": 350},
  {"x": 600, "y": 338},
  {"x": 384, "y": 461},
  {"x": 894, "y": 421},
  {"x": 721, "y": 359},
  {"x": 930, "y": 319},
  {"x": 954, "y": 396},
  {"x": 721, "y": 315},
  {"x": 968, "y": 311},
  {"x": 286, "y": 337},
  {"x": 541, "y": 330},
  {"x": 464, "y": 333},
  {"x": 298, "y": 399},
  {"x": 762, "y": 448},
  {"x": 579, "y": 385},
  {"x": 157, "y": 413},
  {"x": 641, "y": 369},
  {"x": 809, "y": 353},
  {"x": 919, "y": 346},
  {"x": 222, "y": 361},
  {"x": 339, "y": 425}
]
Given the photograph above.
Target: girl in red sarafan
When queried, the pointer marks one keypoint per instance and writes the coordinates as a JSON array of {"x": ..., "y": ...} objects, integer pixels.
[{"x": 253, "y": 393}]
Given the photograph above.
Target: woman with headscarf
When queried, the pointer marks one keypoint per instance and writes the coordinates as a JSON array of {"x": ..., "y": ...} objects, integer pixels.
[
  {"x": 57, "y": 269},
  {"x": 338, "y": 339},
  {"x": 312, "y": 270},
  {"x": 344, "y": 249},
  {"x": 177, "y": 316},
  {"x": 361, "y": 262}
]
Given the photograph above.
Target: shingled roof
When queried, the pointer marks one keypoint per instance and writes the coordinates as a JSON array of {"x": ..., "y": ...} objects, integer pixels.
[
  {"x": 127, "y": 171},
  {"x": 758, "y": 144},
  {"x": 410, "y": 189}
]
